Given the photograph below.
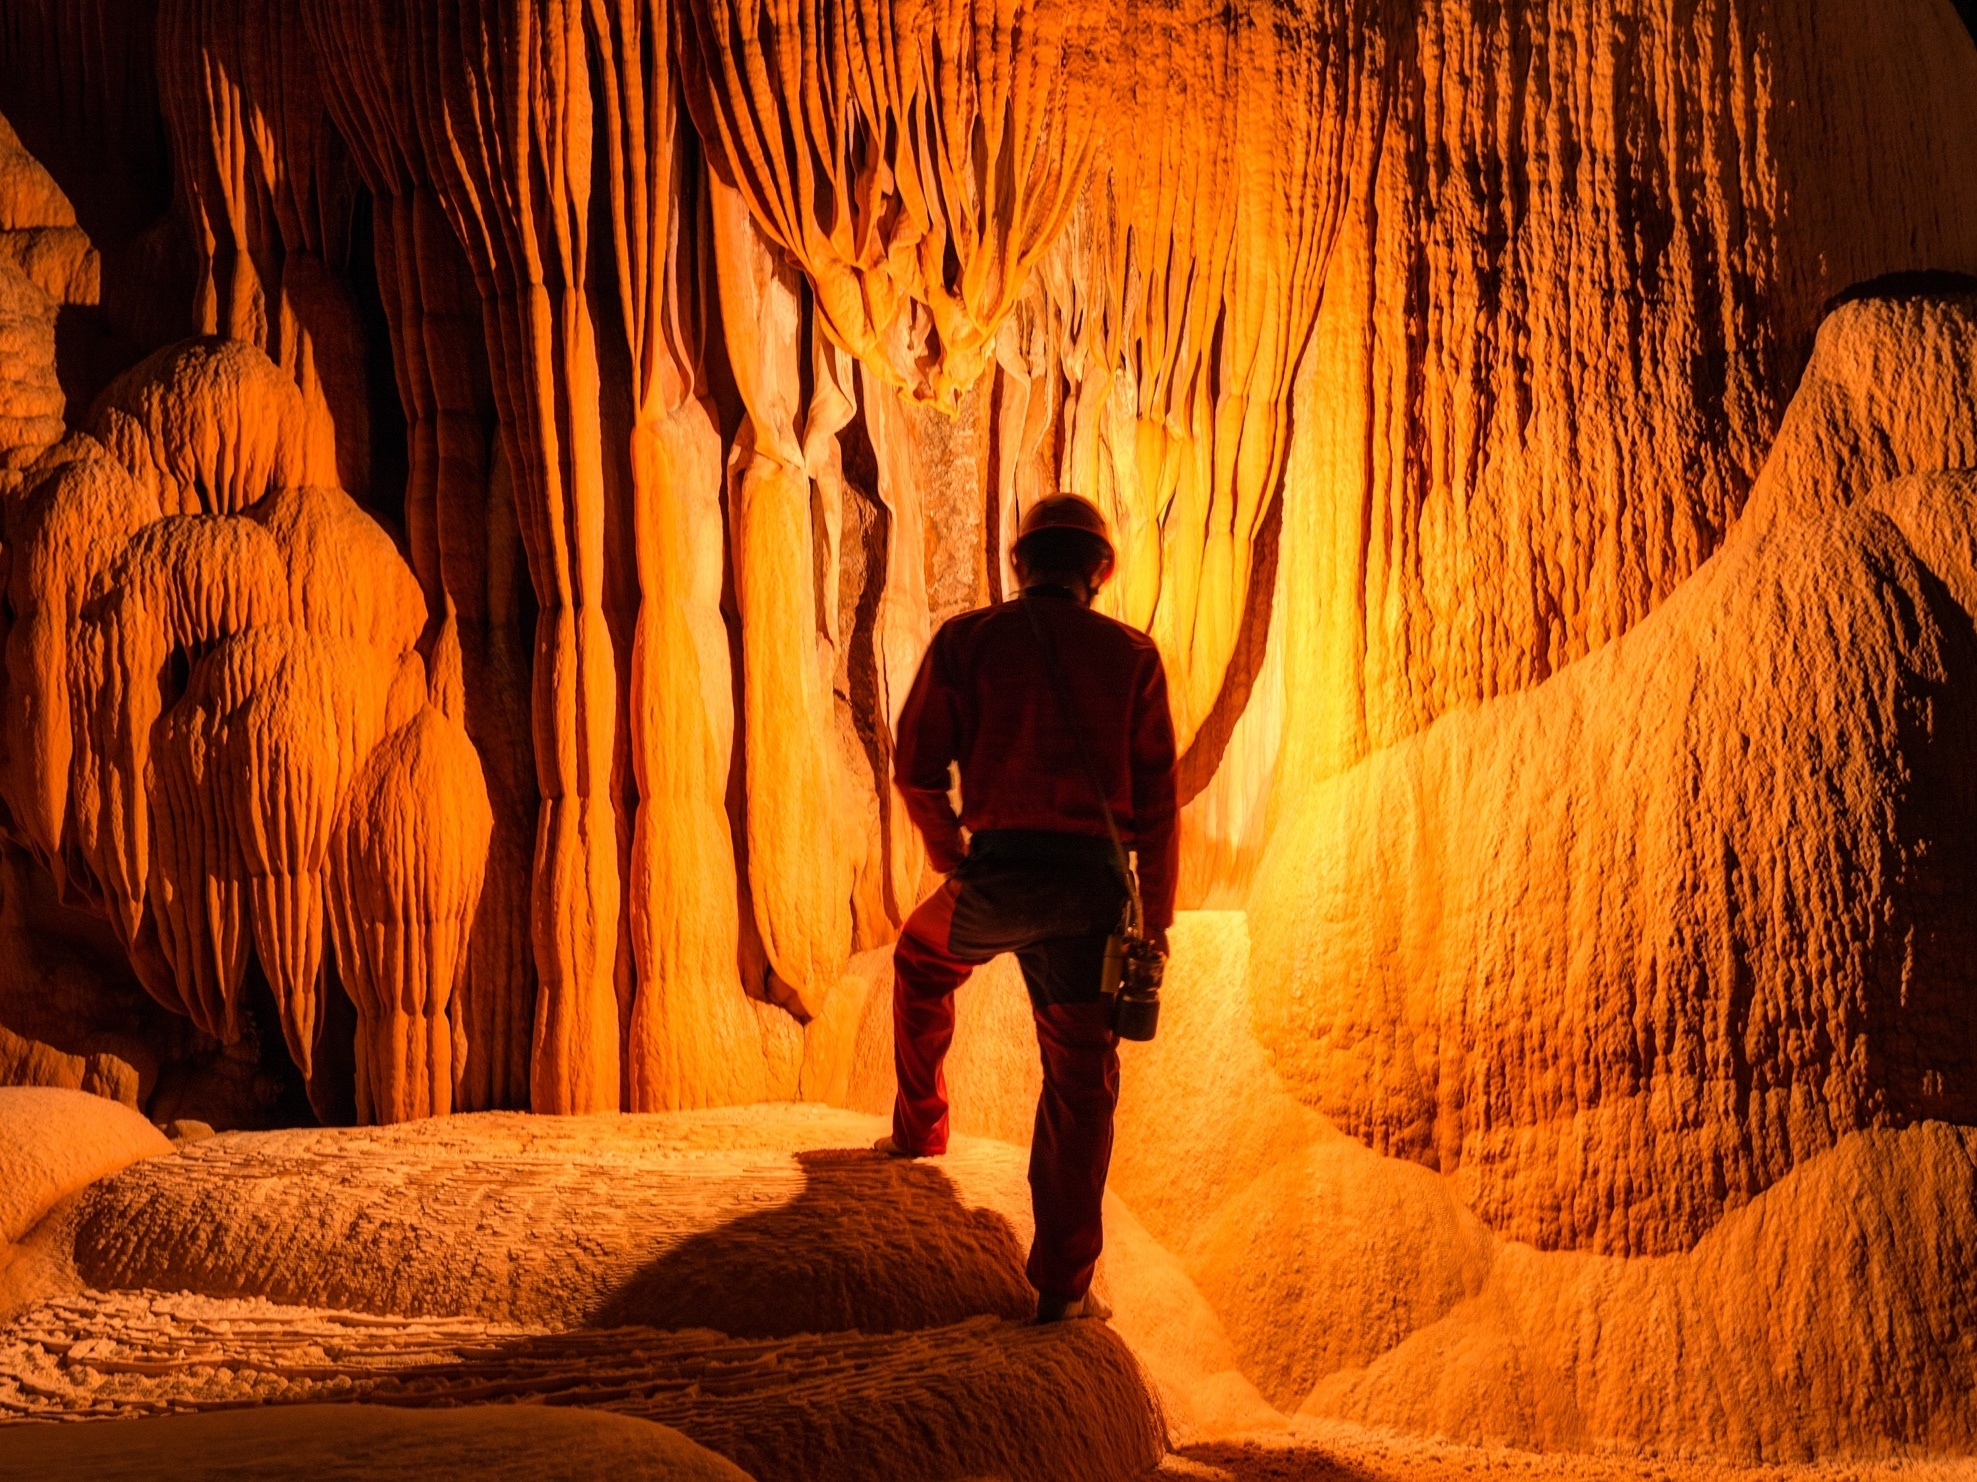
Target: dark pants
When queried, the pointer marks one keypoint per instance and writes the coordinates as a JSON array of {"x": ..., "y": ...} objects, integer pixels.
[{"x": 1052, "y": 899}]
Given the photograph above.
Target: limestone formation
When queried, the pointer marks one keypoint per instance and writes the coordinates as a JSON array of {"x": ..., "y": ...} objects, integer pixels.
[
  {"x": 1825, "y": 1317},
  {"x": 1615, "y": 970},
  {"x": 405, "y": 856},
  {"x": 663, "y": 287},
  {"x": 477, "y": 480},
  {"x": 207, "y": 427},
  {"x": 201, "y": 690},
  {"x": 755, "y": 1278}
]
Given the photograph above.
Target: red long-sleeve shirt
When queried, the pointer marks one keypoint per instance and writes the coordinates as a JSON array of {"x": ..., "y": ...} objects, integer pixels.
[{"x": 983, "y": 698}]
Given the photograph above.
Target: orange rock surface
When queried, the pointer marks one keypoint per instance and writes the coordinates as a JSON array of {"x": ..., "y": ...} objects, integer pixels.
[
  {"x": 358, "y": 1441},
  {"x": 476, "y": 481}
]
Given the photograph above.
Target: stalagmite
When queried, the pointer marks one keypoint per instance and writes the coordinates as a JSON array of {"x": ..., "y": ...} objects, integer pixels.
[
  {"x": 347, "y": 581},
  {"x": 180, "y": 584},
  {"x": 210, "y": 427},
  {"x": 197, "y": 882},
  {"x": 61, "y": 540},
  {"x": 405, "y": 864}
]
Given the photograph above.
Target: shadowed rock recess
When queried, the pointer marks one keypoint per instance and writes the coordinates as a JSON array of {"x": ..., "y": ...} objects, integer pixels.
[{"x": 477, "y": 480}]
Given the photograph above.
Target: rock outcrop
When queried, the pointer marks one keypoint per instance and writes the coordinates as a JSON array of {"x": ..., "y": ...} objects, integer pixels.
[
  {"x": 344, "y": 1443},
  {"x": 1618, "y": 952}
]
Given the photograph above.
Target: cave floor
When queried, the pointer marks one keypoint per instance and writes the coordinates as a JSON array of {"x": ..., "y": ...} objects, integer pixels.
[
  {"x": 1328, "y": 1452},
  {"x": 755, "y": 1278}
]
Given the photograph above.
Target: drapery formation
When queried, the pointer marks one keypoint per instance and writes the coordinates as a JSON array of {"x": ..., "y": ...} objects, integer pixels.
[
  {"x": 215, "y": 658},
  {"x": 459, "y": 512},
  {"x": 692, "y": 1035},
  {"x": 1584, "y": 252},
  {"x": 266, "y": 185},
  {"x": 916, "y": 158},
  {"x": 1415, "y": 352}
]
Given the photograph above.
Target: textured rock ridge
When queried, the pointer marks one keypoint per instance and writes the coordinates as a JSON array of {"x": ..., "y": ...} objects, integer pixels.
[{"x": 1823, "y": 1317}]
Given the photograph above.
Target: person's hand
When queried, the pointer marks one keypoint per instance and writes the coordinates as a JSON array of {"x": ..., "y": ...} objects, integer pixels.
[{"x": 1159, "y": 939}]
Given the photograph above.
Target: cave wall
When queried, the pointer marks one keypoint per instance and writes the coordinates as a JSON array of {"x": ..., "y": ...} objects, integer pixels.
[{"x": 480, "y": 479}]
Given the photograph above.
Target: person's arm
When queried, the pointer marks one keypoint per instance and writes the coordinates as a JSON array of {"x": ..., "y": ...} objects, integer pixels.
[
  {"x": 1155, "y": 835},
  {"x": 929, "y": 735}
]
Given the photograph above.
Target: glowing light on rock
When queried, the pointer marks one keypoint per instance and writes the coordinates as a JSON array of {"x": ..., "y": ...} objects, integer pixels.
[{"x": 463, "y": 560}]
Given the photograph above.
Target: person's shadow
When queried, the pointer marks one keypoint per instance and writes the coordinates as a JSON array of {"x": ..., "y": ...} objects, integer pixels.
[
  {"x": 872, "y": 1244},
  {"x": 873, "y": 1329}
]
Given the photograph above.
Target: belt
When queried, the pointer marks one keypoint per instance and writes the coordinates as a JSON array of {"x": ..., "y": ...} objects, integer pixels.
[{"x": 1040, "y": 844}]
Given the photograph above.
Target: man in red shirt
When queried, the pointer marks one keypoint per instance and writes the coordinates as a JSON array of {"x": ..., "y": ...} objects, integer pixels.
[{"x": 1037, "y": 873}]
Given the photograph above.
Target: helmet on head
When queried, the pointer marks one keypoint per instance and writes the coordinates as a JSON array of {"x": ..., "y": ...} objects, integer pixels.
[{"x": 1077, "y": 518}]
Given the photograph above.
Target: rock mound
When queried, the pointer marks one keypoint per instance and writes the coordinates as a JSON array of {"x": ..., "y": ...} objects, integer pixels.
[
  {"x": 750, "y": 1224},
  {"x": 756, "y": 1277},
  {"x": 1835, "y": 1315},
  {"x": 1617, "y": 953},
  {"x": 54, "y": 1142},
  {"x": 1827, "y": 1316},
  {"x": 345, "y": 1443}
]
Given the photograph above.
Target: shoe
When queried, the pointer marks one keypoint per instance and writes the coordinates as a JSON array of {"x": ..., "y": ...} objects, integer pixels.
[
  {"x": 1060, "y": 1309},
  {"x": 892, "y": 1149}
]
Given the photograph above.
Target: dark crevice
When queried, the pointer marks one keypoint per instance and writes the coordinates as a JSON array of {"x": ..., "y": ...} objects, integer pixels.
[{"x": 390, "y": 451}]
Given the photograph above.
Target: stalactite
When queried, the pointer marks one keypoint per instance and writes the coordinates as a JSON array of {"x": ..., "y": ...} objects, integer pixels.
[
  {"x": 502, "y": 99},
  {"x": 904, "y": 624},
  {"x": 1180, "y": 296},
  {"x": 1561, "y": 319},
  {"x": 694, "y": 1036},
  {"x": 459, "y": 509},
  {"x": 915, "y": 160},
  {"x": 1146, "y": 277},
  {"x": 1411, "y": 358},
  {"x": 799, "y": 879},
  {"x": 266, "y": 186}
]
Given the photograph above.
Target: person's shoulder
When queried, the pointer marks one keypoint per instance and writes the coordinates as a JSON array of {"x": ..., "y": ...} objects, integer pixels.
[
  {"x": 964, "y": 625},
  {"x": 960, "y": 637},
  {"x": 1124, "y": 634},
  {"x": 974, "y": 617}
]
